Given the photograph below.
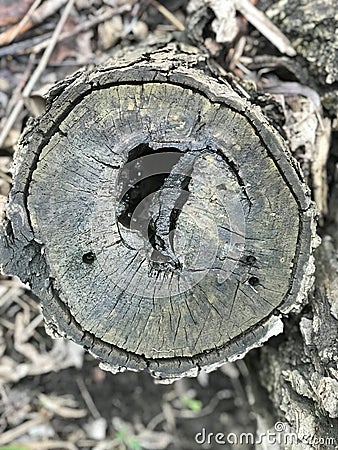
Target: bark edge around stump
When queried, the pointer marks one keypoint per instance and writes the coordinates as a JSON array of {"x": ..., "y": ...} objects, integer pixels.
[{"x": 189, "y": 264}]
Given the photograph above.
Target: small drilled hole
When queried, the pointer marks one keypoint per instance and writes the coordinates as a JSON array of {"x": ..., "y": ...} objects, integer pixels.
[
  {"x": 254, "y": 281},
  {"x": 250, "y": 259},
  {"x": 88, "y": 258}
]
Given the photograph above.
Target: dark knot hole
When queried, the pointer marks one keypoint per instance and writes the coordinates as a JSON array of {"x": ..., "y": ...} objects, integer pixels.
[
  {"x": 253, "y": 281},
  {"x": 88, "y": 258},
  {"x": 142, "y": 176}
]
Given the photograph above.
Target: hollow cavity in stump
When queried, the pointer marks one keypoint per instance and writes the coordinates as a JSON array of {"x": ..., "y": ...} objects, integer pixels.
[{"x": 159, "y": 218}]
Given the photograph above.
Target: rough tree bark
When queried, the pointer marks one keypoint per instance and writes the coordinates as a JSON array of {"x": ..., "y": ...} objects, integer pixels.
[
  {"x": 299, "y": 371},
  {"x": 159, "y": 215},
  {"x": 312, "y": 28}
]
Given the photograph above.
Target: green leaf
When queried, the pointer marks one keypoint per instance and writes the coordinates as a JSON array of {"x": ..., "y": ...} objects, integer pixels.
[
  {"x": 131, "y": 442},
  {"x": 134, "y": 444},
  {"x": 120, "y": 434},
  {"x": 14, "y": 447},
  {"x": 192, "y": 403}
]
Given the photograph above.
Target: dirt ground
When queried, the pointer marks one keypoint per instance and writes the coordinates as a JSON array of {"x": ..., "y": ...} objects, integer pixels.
[{"x": 52, "y": 394}]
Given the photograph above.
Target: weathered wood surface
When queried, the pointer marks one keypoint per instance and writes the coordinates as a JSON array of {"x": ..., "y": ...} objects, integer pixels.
[{"x": 159, "y": 216}]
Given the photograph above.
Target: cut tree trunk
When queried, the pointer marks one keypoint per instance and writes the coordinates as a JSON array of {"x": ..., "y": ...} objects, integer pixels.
[{"x": 159, "y": 215}]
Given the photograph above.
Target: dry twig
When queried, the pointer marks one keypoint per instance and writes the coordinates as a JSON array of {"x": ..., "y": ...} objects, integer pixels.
[
  {"x": 88, "y": 398},
  {"x": 62, "y": 406},
  {"x": 11, "y": 435},
  {"x": 168, "y": 15},
  {"x": 49, "y": 445},
  {"x": 33, "y": 18},
  {"x": 36, "y": 74},
  {"x": 9, "y": 36},
  {"x": 264, "y": 25}
]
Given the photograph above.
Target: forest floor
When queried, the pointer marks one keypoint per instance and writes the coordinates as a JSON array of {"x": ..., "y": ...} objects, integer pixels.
[{"x": 53, "y": 395}]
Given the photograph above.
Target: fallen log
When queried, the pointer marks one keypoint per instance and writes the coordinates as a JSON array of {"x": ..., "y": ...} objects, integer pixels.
[
  {"x": 295, "y": 376},
  {"x": 159, "y": 215}
]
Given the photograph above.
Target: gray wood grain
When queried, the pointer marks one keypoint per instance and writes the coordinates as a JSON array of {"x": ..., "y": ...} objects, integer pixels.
[{"x": 216, "y": 245}]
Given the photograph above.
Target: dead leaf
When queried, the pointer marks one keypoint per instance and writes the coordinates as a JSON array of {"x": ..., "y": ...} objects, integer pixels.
[
  {"x": 35, "y": 104},
  {"x": 308, "y": 134},
  {"x": 11, "y": 11},
  {"x": 12, "y": 138},
  {"x": 85, "y": 4},
  {"x": 140, "y": 30},
  {"x": 64, "y": 353},
  {"x": 84, "y": 47},
  {"x": 96, "y": 429},
  {"x": 224, "y": 24},
  {"x": 110, "y": 32}
]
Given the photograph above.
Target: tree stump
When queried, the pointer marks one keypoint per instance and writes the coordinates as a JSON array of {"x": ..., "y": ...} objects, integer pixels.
[{"x": 158, "y": 215}]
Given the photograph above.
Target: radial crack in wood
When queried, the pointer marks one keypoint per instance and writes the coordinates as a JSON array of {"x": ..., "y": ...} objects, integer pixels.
[{"x": 159, "y": 216}]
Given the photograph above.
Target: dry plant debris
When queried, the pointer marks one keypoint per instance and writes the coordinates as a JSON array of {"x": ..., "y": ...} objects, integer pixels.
[{"x": 12, "y": 12}]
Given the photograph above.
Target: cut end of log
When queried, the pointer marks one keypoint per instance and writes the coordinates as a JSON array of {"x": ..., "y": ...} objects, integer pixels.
[{"x": 158, "y": 216}]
